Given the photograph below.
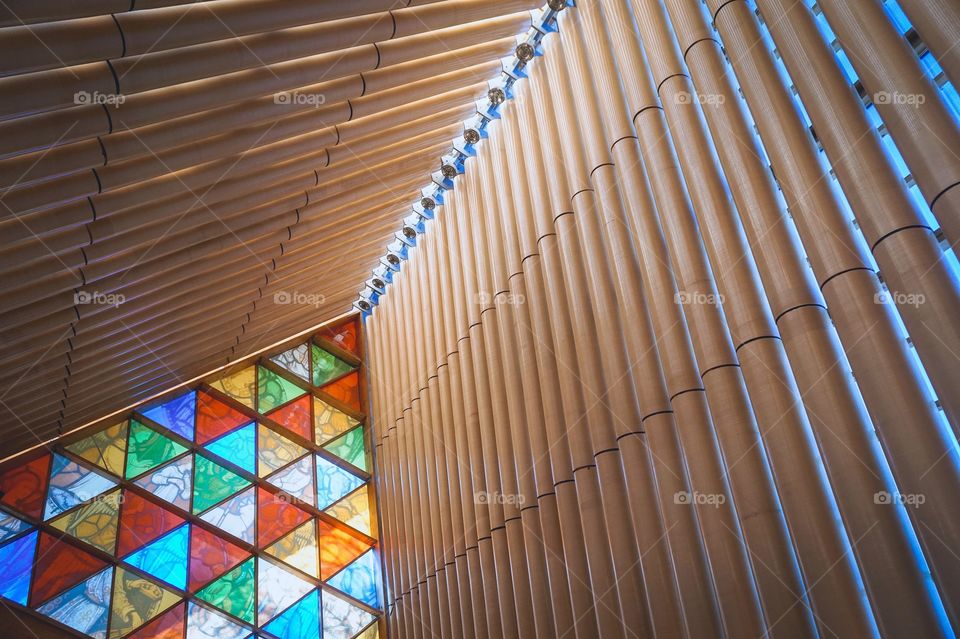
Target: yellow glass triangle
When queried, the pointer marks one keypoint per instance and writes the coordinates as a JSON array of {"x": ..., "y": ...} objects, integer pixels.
[
  {"x": 328, "y": 422},
  {"x": 242, "y": 385},
  {"x": 274, "y": 451},
  {"x": 136, "y": 601},
  {"x": 106, "y": 448},
  {"x": 353, "y": 510},
  {"x": 94, "y": 523},
  {"x": 299, "y": 549}
]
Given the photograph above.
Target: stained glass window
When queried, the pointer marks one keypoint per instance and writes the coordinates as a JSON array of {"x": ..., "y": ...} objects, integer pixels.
[{"x": 235, "y": 509}]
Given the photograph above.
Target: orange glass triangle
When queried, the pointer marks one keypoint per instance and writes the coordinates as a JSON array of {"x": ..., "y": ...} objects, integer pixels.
[
  {"x": 276, "y": 516},
  {"x": 211, "y": 556},
  {"x": 25, "y": 487},
  {"x": 346, "y": 389},
  {"x": 142, "y": 521},
  {"x": 59, "y": 566},
  {"x": 343, "y": 334},
  {"x": 337, "y": 549},
  {"x": 296, "y": 417},
  {"x": 215, "y": 418}
]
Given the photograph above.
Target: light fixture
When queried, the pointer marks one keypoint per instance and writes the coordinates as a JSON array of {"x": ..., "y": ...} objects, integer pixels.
[{"x": 525, "y": 52}]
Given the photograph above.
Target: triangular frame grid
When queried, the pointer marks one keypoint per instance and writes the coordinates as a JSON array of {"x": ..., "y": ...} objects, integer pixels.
[{"x": 167, "y": 500}]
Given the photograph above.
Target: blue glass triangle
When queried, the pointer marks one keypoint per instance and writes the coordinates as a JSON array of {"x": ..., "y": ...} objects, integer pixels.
[
  {"x": 333, "y": 482},
  {"x": 238, "y": 446},
  {"x": 204, "y": 623},
  {"x": 178, "y": 414},
  {"x": 237, "y": 515},
  {"x": 71, "y": 485},
  {"x": 359, "y": 580},
  {"x": 300, "y": 621},
  {"x": 85, "y": 606},
  {"x": 165, "y": 558},
  {"x": 16, "y": 559},
  {"x": 11, "y": 526}
]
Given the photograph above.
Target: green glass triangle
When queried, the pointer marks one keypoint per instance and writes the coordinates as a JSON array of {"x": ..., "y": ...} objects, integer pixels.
[
  {"x": 148, "y": 449},
  {"x": 350, "y": 448},
  {"x": 234, "y": 592},
  {"x": 274, "y": 390},
  {"x": 327, "y": 366},
  {"x": 212, "y": 483}
]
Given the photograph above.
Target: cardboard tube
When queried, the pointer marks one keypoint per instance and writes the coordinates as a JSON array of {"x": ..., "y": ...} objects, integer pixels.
[{"x": 864, "y": 318}]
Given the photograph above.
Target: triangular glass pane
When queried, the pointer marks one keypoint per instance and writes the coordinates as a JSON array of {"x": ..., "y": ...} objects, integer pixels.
[
  {"x": 350, "y": 448},
  {"x": 274, "y": 451},
  {"x": 333, "y": 482},
  {"x": 296, "y": 360},
  {"x": 136, "y": 601},
  {"x": 372, "y": 632},
  {"x": 234, "y": 592},
  {"x": 346, "y": 390},
  {"x": 337, "y": 549},
  {"x": 327, "y": 366},
  {"x": 277, "y": 589},
  {"x": 242, "y": 385},
  {"x": 236, "y": 516},
  {"x": 329, "y": 422},
  {"x": 204, "y": 623},
  {"x": 85, "y": 607},
  {"x": 353, "y": 510},
  {"x": 297, "y": 480},
  {"x": 59, "y": 566},
  {"x": 165, "y": 558},
  {"x": 148, "y": 449},
  {"x": 341, "y": 619},
  {"x": 300, "y": 621},
  {"x": 343, "y": 334},
  {"x": 24, "y": 487},
  {"x": 178, "y": 415},
  {"x": 16, "y": 558},
  {"x": 172, "y": 483},
  {"x": 295, "y": 417},
  {"x": 211, "y": 556},
  {"x": 239, "y": 447},
  {"x": 274, "y": 390},
  {"x": 298, "y": 549},
  {"x": 277, "y": 516},
  {"x": 94, "y": 523},
  {"x": 215, "y": 417},
  {"x": 71, "y": 485},
  {"x": 142, "y": 521},
  {"x": 169, "y": 625},
  {"x": 11, "y": 526},
  {"x": 106, "y": 448},
  {"x": 212, "y": 483},
  {"x": 359, "y": 580}
]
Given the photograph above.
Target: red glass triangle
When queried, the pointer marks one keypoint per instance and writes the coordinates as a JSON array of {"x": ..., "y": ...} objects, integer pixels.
[
  {"x": 276, "y": 516},
  {"x": 296, "y": 417},
  {"x": 169, "y": 625},
  {"x": 59, "y": 566},
  {"x": 343, "y": 334},
  {"x": 337, "y": 549},
  {"x": 215, "y": 418},
  {"x": 25, "y": 487},
  {"x": 142, "y": 521},
  {"x": 346, "y": 389},
  {"x": 211, "y": 556}
]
